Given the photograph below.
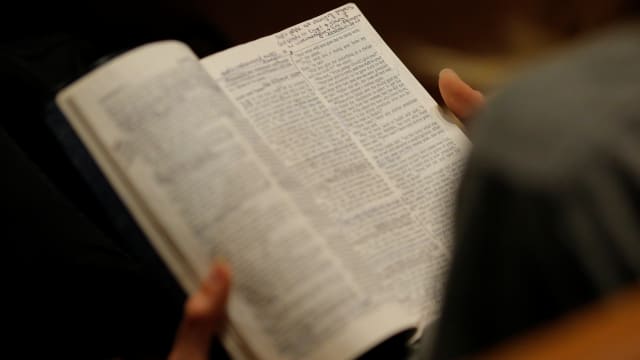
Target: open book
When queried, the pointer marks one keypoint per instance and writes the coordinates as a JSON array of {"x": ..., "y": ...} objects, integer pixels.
[{"x": 311, "y": 160}]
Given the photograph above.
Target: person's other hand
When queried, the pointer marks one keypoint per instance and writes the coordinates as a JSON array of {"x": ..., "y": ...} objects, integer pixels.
[
  {"x": 204, "y": 316},
  {"x": 459, "y": 97}
]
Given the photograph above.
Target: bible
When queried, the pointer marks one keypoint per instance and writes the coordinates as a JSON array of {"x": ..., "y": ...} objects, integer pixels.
[{"x": 311, "y": 160}]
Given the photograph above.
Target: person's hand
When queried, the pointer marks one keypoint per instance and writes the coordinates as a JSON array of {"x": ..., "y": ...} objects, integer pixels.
[
  {"x": 459, "y": 97},
  {"x": 204, "y": 316}
]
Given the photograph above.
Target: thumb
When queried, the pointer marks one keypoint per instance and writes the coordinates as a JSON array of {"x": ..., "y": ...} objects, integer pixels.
[
  {"x": 204, "y": 316},
  {"x": 459, "y": 97}
]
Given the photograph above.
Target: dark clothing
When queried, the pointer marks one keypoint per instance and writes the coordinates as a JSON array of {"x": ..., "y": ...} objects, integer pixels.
[
  {"x": 77, "y": 288},
  {"x": 548, "y": 215},
  {"x": 74, "y": 291}
]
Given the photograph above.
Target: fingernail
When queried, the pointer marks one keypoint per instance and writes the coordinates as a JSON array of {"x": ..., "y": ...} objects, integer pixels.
[
  {"x": 217, "y": 270},
  {"x": 448, "y": 70}
]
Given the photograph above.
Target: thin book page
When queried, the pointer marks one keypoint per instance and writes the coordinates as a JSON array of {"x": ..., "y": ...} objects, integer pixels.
[
  {"x": 161, "y": 130},
  {"x": 79, "y": 103},
  {"x": 330, "y": 105}
]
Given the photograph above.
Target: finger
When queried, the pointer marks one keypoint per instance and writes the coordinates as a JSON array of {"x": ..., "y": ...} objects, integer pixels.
[
  {"x": 461, "y": 98},
  {"x": 204, "y": 316}
]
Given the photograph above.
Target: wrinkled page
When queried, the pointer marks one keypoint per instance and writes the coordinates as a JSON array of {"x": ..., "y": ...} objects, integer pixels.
[
  {"x": 167, "y": 137},
  {"x": 361, "y": 142}
]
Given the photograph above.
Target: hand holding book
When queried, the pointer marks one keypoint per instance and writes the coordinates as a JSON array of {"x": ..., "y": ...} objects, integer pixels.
[
  {"x": 459, "y": 97},
  {"x": 204, "y": 316}
]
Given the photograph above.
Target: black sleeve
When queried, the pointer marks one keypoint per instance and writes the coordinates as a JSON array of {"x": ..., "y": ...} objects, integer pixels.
[{"x": 72, "y": 291}]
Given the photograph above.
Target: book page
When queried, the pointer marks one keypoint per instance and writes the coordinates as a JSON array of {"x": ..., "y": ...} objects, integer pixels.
[
  {"x": 361, "y": 141},
  {"x": 167, "y": 138}
]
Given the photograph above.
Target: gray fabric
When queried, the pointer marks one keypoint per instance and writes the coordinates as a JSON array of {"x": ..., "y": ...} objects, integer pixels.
[{"x": 548, "y": 214}]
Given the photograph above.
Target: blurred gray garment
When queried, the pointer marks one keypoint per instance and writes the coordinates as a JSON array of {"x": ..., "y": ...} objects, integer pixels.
[{"x": 548, "y": 215}]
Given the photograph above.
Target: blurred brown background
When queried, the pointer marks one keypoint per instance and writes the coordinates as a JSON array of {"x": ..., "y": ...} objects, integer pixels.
[{"x": 485, "y": 41}]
